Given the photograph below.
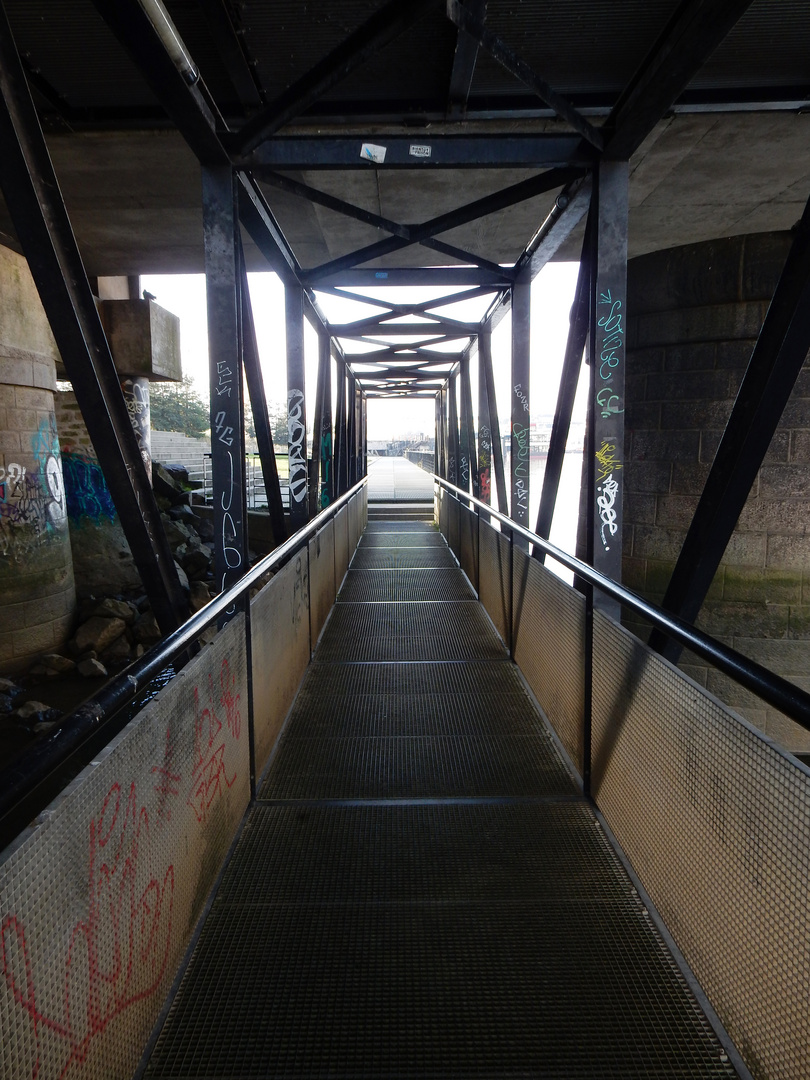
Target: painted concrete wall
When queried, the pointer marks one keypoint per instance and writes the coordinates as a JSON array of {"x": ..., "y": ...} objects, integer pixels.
[
  {"x": 695, "y": 313},
  {"x": 102, "y": 560},
  {"x": 36, "y": 570}
]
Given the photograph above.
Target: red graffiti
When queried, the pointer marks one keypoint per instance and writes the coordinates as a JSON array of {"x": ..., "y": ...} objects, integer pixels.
[
  {"x": 209, "y": 774},
  {"x": 117, "y": 956},
  {"x": 169, "y": 780},
  {"x": 227, "y": 682},
  {"x": 484, "y": 482}
]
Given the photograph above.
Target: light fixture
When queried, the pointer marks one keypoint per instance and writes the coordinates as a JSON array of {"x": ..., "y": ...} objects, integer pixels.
[{"x": 172, "y": 42}]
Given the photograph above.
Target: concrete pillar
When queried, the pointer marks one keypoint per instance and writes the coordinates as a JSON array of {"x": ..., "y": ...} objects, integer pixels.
[
  {"x": 695, "y": 313},
  {"x": 37, "y": 593},
  {"x": 136, "y": 396}
]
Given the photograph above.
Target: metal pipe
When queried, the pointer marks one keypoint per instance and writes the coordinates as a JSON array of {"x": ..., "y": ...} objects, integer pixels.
[
  {"x": 780, "y": 693},
  {"x": 172, "y": 42}
]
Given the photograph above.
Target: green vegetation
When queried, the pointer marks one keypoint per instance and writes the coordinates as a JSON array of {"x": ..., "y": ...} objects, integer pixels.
[{"x": 178, "y": 407}]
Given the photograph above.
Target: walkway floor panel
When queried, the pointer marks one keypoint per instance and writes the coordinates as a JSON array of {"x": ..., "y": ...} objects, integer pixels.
[{"x": 420, "y": 891}]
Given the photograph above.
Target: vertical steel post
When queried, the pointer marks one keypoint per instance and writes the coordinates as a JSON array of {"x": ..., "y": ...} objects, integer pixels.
[
  {"x": 261, "y": 420},
  {"x": 324, "y": 429},
  {"x": 521, "y": 416},
  {"x": 569, "y": 380},
  {"x": 467, "y": 457},
  {"x": 485, "y": 352},
  {"x": 222, "y": 282},
  {"x": 443, "y": 463},
  {"x": 607, "y": 351},
  {"x": 484, "y": 426},
  {"x": 296, "y": 407},
  {"x": 341, "y": 434},
  {"x": 452, "y": 441},
  {"x": 437, "y": 434},
  {"x": 351, "y": 408}
]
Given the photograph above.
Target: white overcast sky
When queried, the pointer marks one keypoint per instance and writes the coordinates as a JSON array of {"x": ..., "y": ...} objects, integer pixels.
[{"x": 552, "y": 295}]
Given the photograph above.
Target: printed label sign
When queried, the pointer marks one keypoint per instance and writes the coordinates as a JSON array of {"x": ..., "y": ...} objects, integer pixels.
[
  {"x": 420, "y": 150},
  {"x": 373, "y": 153}
]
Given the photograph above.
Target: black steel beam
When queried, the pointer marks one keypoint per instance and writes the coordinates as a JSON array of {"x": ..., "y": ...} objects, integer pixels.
[
  {"x": 453, "y": 453},
  {"x": 570, "y": 206},
  {"x": 430, "y": 276},
  {"x": 229, "y": 47},
  {"x": 383, "y": 27},
  {"x": 423, "y": 306},
  {"x": 222, "y": 287},
  {"x": 569, "y": 379},
  {"x": 776, "y": 361},
  {"x": 465, "y": 19},
  {"x": 261, "y": 420},
  {"x": 296, "y": 407},
  {"x": 485, "y": 361},
  {"x": 484, "y": 459},
  {"x": 608, "y": 350},
  {"x": 520, "y": 404},
  {"x": 489, "y": 204},
  {"x": 424, "y": 152},
  {"x": 321, "y": 493},
  {"x": 36, "y": 207},
  {"x": 468, "y": 470},
  {"x": 464, "y": 60},
  {"x": 375, "y": 327},
  {"x": 466, "y": 258},
  {"x": 188, "y": 106},
  {"x": 341, "y": 434},
  {"x": 686, "y": 42}
]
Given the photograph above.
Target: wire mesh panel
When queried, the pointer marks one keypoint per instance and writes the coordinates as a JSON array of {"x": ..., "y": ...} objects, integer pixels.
[
  {"x": 99, "y": 900},
  {"x": 468, "y": 542},
  {"x": 321, "y": 577},
  {"x": 494, "y": 577},
  {"x": 452, "y": 525},
  {"x": 443, "y": 512},
  {"x": 341, "y": 545},
  {"x": 281, "y": 650},
  {"x": 355, "y": 523},
  {"x": 715, "y": 821},
  {"x": 549, "y": 627}
]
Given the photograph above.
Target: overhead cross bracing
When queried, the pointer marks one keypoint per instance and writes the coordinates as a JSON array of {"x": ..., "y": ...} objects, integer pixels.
[{"x": 432, "y": 143}]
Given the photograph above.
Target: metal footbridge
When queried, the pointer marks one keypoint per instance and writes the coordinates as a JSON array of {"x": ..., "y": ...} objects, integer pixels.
[{"x": 419, "y": 810}]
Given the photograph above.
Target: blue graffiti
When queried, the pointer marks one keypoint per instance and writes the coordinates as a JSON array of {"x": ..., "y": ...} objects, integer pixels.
[{"x": 87, "y": 493}]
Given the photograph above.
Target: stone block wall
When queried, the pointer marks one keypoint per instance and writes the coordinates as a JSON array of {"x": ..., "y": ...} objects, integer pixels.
[
  {"x": 695, "y": 314},
  {"x": 36, "y": 572}
]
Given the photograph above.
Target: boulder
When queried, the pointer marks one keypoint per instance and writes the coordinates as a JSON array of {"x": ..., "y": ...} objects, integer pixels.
[
  {"x": 176, "y": 532},
  {"x": 184, "y": 514},
  {"x": 200, "y": 595},
  {"x": 31, "y": 709},
  {"x": 115, "y": 609},
  {"x": 92, "y": 669},
  {"x": 119, "y": 651},
  {"x": 182, "y": 576},
  {"x": 145, "y": 629},
  {"x": 97, "y": 633},
  {"x": 9, "y": 688},
  {"x": 59, "y": 664}
]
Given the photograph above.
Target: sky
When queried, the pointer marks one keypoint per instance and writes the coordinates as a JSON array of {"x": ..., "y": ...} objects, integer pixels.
[{"x": 552, "y": 296}]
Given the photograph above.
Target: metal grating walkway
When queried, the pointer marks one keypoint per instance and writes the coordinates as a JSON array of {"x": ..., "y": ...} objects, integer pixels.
[{"x": 420, "y": 891}]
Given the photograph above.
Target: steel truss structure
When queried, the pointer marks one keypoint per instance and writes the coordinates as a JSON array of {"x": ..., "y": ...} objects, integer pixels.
[{"x": 405, "y": 350}]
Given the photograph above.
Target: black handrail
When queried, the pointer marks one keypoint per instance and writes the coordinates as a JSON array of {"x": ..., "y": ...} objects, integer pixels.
[
  {"x": 41, "y": 760},
  {"x": 779, "y": 692}
]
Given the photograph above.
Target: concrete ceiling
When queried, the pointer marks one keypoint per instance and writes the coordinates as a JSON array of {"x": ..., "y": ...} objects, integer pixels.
[{"x": 718, "y": 165}]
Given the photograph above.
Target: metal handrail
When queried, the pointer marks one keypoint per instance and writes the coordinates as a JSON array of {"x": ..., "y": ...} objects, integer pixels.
[
  {"x": 33, "y": 767},
  {"x": 779, "y": 692}
]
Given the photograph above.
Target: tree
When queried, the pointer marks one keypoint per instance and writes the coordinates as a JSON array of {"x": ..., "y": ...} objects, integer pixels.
[{"x": 178, "y": 407}]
